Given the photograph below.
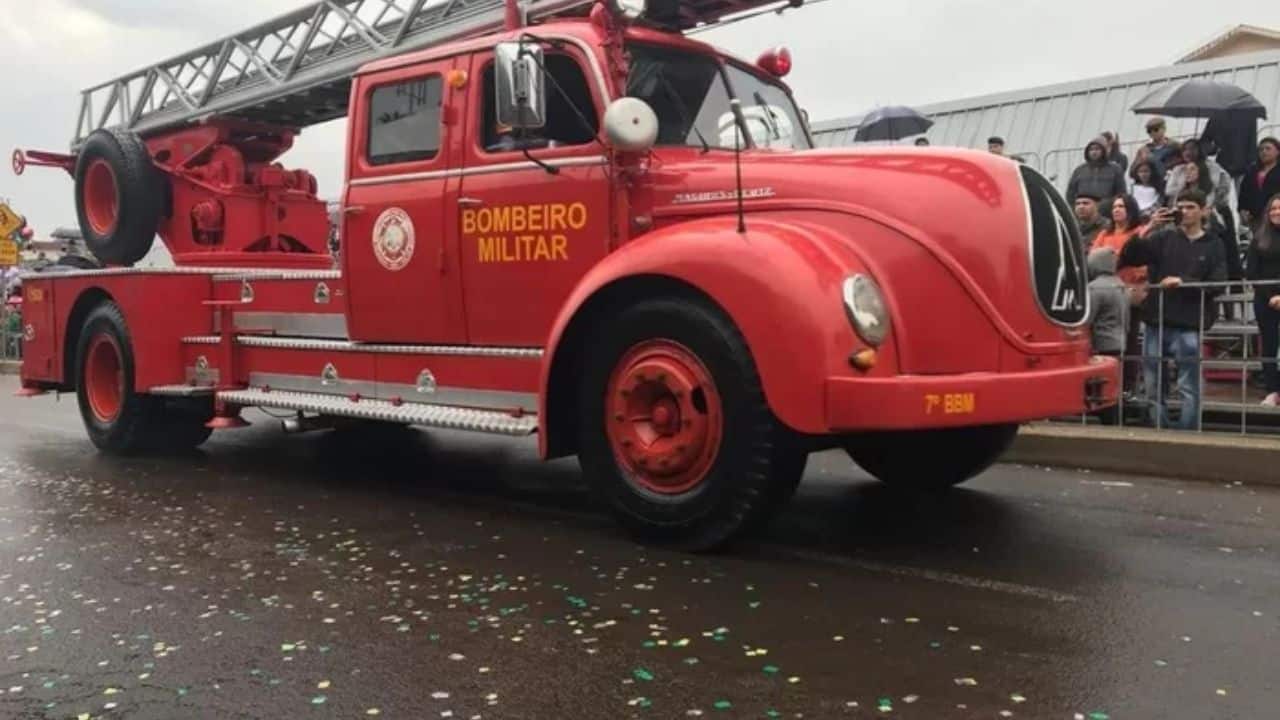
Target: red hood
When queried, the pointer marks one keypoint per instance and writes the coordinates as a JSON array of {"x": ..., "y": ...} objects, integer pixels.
[{"x": 967, "y": 211}]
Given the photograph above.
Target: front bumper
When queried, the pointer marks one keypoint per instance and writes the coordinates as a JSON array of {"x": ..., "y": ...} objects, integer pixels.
[{"x": 914, "y": 402}]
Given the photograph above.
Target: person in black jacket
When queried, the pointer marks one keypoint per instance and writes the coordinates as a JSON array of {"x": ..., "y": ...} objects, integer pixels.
[
  {"x": 1263, "y": 265},
  {"x": 1174, "y": 315},
  {"x": 1260, "y": 182}
]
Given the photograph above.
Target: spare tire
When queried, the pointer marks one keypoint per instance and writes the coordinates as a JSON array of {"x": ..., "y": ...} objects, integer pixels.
[{"x": 119, "y": 196}]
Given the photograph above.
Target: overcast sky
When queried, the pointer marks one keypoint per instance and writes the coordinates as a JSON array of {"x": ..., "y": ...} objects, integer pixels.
[{"x": 850, "y": 55}]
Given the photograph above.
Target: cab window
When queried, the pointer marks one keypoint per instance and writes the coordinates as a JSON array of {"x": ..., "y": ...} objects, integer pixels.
[
  {"x": 768, "y": 111},
  {"x": 566, "y": 111},
  {"x": 404, "y": 121}
]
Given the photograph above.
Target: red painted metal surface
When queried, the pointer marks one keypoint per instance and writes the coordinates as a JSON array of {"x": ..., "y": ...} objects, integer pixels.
[
  {"x": 231, "y": 198},
  {"x": 104, "y": 377},
  {"x": 664, "y": 417},
  {"x": 399, "y": 254}
]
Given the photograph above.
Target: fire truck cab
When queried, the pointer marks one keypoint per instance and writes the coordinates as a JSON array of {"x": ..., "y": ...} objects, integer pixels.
[{"x": 584, "y": 225}]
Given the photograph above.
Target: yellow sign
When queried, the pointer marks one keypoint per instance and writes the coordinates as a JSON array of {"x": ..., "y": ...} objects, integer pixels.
[
  {"x": 524, "y": 233},
  {"x": 8, "y": 252},
  {"x": 9, "y": 221},
  {"x": 951, "y": 404}
]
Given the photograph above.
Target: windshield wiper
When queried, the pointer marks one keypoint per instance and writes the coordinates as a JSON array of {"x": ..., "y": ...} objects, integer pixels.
[{"x": 770, "y": 119}]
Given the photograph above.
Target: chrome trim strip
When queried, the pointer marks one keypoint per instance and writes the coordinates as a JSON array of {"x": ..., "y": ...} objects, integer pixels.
[
  {"x": 241, "y": 273},
  {"x": 316, "y": 385},
  {"x": 451, "y": 396},
  {"x": 180, "y": 390},
  {"x": 290, "y": 343},
  {"x": 284, "y": 343},
  {"x": 481, "y": 170},
  {"x": 313, "y": 325},
  {"x": 280, "y": 275}
]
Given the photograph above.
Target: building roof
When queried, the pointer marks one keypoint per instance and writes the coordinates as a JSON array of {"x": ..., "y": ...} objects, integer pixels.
[
  {"x": 1050, "y": 125},
  {"x": 1212, "y": 48}
]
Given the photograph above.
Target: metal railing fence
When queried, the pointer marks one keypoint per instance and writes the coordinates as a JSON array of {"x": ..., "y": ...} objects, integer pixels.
[{"x": 1226, "y": 368}]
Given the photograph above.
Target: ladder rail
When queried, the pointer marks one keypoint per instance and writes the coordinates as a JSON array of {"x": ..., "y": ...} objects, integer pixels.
[
  {"x": 296, "y": 68},
  {"x": 316, "y": 45}
]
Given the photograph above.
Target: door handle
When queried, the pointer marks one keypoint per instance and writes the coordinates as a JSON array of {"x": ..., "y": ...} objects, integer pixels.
[
  {"x": 470, "y": 202},
  {"x": 353, "y": 210}
]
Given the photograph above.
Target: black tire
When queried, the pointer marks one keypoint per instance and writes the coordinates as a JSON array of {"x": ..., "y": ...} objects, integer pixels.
[
  {"x": 753, "y": 467},
  {"x": 931, "y": 459},
  {"x": 141, "y": 423},
  {"x": 139, "y": 197}
]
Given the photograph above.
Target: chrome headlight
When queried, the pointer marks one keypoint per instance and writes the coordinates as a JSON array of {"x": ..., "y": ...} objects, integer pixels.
[
  {"x": 864, "y": 304},
  {"x": 630, "y": 9}
]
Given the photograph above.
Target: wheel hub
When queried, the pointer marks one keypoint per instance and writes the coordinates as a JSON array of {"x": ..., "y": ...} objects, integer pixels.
[
  {"x": 101, "y": 197},
  {"x": 104, "y": 378},
  {"x": 665, "y": 420}
]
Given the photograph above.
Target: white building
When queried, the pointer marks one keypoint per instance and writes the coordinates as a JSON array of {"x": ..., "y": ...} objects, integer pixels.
[{"x": 1049, "y": 126}]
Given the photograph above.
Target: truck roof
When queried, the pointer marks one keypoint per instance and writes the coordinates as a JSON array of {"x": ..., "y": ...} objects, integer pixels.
[
  {"x": 569, "y": 28},
  {"x": 296, "y": 70}
]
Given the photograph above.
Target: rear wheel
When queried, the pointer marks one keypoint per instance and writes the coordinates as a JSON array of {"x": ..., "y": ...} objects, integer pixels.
[
  {"x": 119, "y": 196},
  {"x": 117, "y": 418},
  {"x": 930, "y": 459},
  {"x": 676, "y": 434}
]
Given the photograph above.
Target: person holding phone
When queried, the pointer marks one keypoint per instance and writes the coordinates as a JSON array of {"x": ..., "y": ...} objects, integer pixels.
[
  {"x": 1179, "y": 250},
  {"x": 1263, "y": 265}
]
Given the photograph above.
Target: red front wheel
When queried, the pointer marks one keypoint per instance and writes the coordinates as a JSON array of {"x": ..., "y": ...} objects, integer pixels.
[{"x": 675, "y": 430}]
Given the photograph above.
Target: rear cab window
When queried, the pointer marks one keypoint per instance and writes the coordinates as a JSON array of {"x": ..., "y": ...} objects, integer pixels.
[{"x": 404, "y": 121}]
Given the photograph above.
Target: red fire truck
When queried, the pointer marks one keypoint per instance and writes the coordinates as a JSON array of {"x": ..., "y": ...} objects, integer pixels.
[{"x": 562, "y": 218}]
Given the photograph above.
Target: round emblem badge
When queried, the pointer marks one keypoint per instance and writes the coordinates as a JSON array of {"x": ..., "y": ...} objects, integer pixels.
[{"x": 393, "y": 239}]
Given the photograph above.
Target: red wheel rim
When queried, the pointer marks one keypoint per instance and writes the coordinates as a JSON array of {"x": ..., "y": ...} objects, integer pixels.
[
  {"x": 104, "y": 378},
  {"x": 101, "y": 197},
  {"x": 664, "y": 417}
]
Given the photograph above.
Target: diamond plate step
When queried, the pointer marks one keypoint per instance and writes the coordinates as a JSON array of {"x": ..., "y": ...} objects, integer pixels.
[
  {"x": 436, "y": 416},
  {"x": 181, "y": 390}
]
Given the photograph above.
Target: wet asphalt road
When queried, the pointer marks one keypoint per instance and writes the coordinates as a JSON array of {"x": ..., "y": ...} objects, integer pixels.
[{"x": 443, "y": 576}]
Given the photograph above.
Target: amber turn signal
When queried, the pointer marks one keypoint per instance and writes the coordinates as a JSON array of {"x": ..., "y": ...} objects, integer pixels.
[
  {"x": 863, "y": 360},
  {"x": 457, "y": 79}
]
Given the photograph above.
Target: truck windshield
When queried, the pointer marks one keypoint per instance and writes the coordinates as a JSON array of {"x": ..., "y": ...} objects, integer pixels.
[{"x": 691, "y": 94}]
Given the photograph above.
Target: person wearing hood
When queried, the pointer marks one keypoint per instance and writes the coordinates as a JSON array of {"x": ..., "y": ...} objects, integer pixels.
[
  {"x": 1098, "y": 176},
  {"x": 1108, "y": 312}
]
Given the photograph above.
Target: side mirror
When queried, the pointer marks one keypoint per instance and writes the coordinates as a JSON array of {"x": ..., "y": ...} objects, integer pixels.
[
  {"x": 631, "y": 125},
  {"x": 522, "y": 88}
]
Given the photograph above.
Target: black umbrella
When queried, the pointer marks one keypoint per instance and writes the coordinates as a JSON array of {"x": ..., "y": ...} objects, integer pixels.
[
  {"x": 891, "y": 123},
  {"x": 1200, "y": 99}
]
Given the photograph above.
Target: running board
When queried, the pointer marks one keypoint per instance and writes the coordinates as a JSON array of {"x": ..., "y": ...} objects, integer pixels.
[{"x": 435, "y": 416}]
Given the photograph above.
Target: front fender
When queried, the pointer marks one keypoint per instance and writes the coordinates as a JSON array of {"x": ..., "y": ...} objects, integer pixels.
[{"x": 780, "y": 285}]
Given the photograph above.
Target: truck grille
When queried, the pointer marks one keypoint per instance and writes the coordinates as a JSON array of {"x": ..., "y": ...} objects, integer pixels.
[{"x": 1058, "y": 269}]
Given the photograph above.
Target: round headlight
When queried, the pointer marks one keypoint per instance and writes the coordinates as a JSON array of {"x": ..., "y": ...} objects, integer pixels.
[
  {"x": 630, "y": 9},
  {"x": 864, "y": 304}
]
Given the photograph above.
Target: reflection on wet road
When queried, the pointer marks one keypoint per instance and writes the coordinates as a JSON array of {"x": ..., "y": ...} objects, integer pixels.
[{"x": 441, "y": 576}]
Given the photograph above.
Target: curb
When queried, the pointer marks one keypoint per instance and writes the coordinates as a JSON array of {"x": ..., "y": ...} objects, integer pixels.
[
  {"x": 1167, "y": 454},
  {"x": 10, "y": 367}
]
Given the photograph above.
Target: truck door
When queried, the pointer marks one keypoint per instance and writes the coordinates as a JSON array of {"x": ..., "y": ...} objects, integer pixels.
[
  {"x": 399, "y": 236},
  {"x": 528, "y": 236}
]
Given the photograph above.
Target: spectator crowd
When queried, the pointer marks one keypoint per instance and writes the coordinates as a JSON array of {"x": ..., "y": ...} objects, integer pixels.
[{"x": 1166, "y": 233}]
